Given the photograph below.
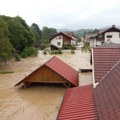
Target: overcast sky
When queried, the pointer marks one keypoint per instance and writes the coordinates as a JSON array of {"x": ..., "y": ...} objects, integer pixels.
[{"x": 70, "y": 14}]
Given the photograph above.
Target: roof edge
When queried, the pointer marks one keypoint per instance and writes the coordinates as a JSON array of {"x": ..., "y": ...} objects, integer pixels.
[{"x": 109, "y": 71}]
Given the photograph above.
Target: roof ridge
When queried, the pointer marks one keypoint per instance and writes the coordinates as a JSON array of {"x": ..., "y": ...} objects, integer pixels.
[
  {"x": 61, "y": 61},
  {"x": 110, "y": 70},
  {"x": 49, "y": 60}
]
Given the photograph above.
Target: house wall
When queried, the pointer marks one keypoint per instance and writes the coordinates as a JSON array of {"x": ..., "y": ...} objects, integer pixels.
[
  {"x": 98, "y": 43},
  {"x": 92, "y": 42},
  {"x": 73, "y": 42},
  {"x": 57, "y": 39},
  {"x": 66, "y": 40},
  {"x": 45, "y": 75},
  {"x": 115, "y": 37}
]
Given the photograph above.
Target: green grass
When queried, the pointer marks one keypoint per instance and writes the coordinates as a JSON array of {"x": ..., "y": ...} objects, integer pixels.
[{"x": 6, "y": 72}]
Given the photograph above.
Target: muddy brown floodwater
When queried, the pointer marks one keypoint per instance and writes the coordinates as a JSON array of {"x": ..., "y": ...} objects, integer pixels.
[
  {"x": 33, "y": 103},
  {"x": 37, "y": 102}
]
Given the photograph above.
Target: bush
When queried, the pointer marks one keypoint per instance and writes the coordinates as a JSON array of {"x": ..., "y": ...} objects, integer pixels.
[
  {"x": 66, "y": 46},
  {"x": 17, "y": 57},
  {"x": 56, "y": 52},
  {"x": 72, "y": 51},
  {"x": 59, "y": 51},
  {"x": 43, "y": 46},
  {"x": 86, "y": 47},
  {"x": 29, "y": 51},
  {"x": 23, "y": 55},
  {"x": 45, "y": 52},
  {"x": 73, "y": 47},
  {"x": 6, "y": 72}
]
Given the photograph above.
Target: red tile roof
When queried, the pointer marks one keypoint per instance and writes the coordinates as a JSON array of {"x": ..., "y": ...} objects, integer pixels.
[
  {"x": 104, "y": 59},
  {"x": 61, "y": 68},
  {"x": 78, "y": 104},
  {"x": 107, "y": 95},
  {"x": 61, "y": 33}
]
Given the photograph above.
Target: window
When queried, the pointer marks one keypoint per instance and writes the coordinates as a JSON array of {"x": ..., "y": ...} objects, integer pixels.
[
  {"x": 58, "y": 43},
  {"x": 109, "y": 36}
]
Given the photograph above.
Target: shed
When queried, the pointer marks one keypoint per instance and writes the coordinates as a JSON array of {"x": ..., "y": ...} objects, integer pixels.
[{"x": 53, "y": 71}]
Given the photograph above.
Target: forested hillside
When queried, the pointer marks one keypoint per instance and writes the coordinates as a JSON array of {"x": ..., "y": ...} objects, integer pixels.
[{"x": 18, "y": 39}]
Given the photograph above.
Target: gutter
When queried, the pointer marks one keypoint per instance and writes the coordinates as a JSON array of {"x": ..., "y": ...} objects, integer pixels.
[{"x": 94, "y": 85}]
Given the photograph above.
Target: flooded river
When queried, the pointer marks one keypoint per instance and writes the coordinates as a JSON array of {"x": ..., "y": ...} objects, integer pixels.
[
  {"x": 37, "y": 102},
  {"x": 33, "y": 103}
]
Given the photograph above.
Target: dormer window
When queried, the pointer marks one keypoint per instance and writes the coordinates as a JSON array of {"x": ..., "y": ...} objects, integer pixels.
[{"x": 109, "y": 36}]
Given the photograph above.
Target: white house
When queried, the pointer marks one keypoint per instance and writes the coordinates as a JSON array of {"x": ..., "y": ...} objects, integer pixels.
[
  {"x": 61, "y": 39},
  {"x": 112, "y": 34}
]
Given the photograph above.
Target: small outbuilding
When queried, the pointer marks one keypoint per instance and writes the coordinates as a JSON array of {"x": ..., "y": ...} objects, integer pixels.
[{"x": 53, "y": 71}]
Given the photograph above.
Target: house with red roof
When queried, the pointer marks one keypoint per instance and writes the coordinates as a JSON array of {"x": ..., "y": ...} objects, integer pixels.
[
  {"x": 104, "y": 57},
  {"x": 107, "y": 95},
  {"x": 78, "y": 104},
  {"x": 111, "y": 34},
  {"x": 58, "y": 41},
  {"x": 101, "y": 102},
  {"x": 53, "y": 71}
]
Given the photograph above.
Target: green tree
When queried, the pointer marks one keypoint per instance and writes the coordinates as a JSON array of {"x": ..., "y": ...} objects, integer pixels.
[
  {"x": 37, "y": 32},
  {"x": 20, "y": 34},
  {"x": 47, "y": 33},
  {"x": 38, "y": 35},
  {"x": 6, "y": 48}
]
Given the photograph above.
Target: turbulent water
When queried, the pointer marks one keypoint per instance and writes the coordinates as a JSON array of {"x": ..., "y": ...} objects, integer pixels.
[{"x": 37, "y": 102}]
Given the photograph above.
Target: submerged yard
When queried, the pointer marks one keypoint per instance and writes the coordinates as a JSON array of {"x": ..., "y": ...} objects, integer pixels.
[{"x": 37, "y": 102}]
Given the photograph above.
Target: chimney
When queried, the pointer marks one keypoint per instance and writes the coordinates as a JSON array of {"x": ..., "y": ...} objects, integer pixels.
[{"x": 113, "y": 26}]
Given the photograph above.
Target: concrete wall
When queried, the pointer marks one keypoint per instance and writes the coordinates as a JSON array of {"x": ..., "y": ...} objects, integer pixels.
[{"x": 115, "y": 37}]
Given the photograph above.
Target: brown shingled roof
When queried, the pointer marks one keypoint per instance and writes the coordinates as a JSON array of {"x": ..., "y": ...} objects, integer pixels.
[
  {"x": 104, "y": 58},
  {"x": 60, "y": 33},
  {"x": 109, "y": 45},
  {"x": 107, "y": 95}
]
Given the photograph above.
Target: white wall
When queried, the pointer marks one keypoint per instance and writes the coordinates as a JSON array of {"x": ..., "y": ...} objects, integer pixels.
[
  {"x": 115, "y": 37},
  {"x": 55, "y": 40},
  {"x": 98, "y": 43},
  {"x": 92, "y": 42},
  {"x": 73, "y": 42}
]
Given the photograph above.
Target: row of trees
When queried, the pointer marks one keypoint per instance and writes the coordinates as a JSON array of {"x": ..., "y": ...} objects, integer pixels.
[
  {"x": 16, "y": 36},
  {"x": 42, "y": 36}
]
